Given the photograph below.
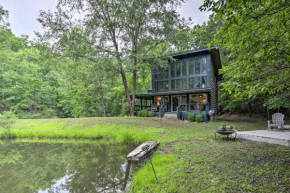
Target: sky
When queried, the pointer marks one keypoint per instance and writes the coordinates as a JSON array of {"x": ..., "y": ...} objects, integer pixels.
[{"x": 23, "y": 14}]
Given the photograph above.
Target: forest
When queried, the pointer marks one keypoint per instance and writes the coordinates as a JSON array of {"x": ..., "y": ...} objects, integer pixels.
[{"x": 89, "y": 66}]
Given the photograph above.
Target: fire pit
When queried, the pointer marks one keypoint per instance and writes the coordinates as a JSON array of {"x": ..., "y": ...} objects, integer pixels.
[{"x": 226, "y": 130}]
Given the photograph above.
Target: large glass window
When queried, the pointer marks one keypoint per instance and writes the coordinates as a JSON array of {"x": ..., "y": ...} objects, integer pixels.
[
  {"x": 166, "y": 103},
  {"x": 157, "y": 103},
  {"x": 203, "y": 82},
  {"x": 197, "y": 66},
  {"x": 184, "y": 84},
  {"x": 197, "y": 82},
  {"x": 204, "y": 68},
  {"x": 165, "y": 85},
  {"x": 184, "y": 68},
  {"x": 197, "y": 102},
  {"x": 183, "y": 103},
  {"x": 172, "y": 70},
  {"x": 160, "y": 85},
  {"x": 156, "y": 86},
  {"x": 178, "y": 66},
  {"x": 179, "y": 84},
  {"x": 174, "y": 103},
  {"x": 191, "y": 67},
  {"x": 166, "y": 72},
  {"x": 172, "y": 84},
  {"x": 191, "y": 83}
]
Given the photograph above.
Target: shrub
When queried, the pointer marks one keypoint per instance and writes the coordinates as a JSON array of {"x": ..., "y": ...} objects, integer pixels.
[
  {"x": 198, "y": 118},
  {"x": 142, "y": 113},
  {"x": 7, "y": 119},
  {"x": 145, "y": 113},
  {"x": 190, "y": 117},
  {"x": 150, "y": 113}
]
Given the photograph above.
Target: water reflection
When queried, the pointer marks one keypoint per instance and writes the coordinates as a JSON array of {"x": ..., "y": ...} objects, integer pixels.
[{"x": 63, "y": 167}]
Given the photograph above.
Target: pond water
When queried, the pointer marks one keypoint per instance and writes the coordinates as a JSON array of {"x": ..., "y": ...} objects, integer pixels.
[{"x": 63, "y": 166}]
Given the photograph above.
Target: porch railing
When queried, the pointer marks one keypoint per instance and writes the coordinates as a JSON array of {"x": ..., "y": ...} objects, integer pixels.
[{"x": 194, "y": 107}]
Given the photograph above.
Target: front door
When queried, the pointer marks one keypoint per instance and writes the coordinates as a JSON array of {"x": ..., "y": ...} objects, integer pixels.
[{"x": 174, "y": 103}]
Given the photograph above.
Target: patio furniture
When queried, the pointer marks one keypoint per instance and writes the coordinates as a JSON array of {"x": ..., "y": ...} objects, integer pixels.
[{"x": 277, "y": 121}]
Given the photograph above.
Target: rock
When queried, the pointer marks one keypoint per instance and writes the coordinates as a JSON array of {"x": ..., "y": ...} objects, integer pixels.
[
  {"x": 223, "y": 127},
  {"x": 229, "y": 127}
]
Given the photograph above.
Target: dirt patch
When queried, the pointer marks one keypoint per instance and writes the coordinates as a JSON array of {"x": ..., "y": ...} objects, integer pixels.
[
  {"x": 242, "y": 118},
  {"x": 168, "y": 149}
]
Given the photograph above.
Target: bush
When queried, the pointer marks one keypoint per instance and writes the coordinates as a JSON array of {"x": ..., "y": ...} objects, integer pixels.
[
  {"x": 150, "y": 113},
  {"x": 198, "y": 118},
  {"x": 145, "y": 113},
  {"x": 190, "y": 117},
  {"x": 7, "y": 120}
]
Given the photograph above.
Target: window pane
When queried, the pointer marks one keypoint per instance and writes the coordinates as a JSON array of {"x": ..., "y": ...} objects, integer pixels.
[
  {"x": 179, "y": 84},
  {"x": 190, "y": 83},
  {"x": 197, "y": 102},
  {"x": 157, "y": 102},
  {"x": 172, "y": 70},
  {"x": 178, "y": 65},
  {"x": 204, "y": 66},
  {"x": 197, "y": 66},
  {"x": 191, "y": 67},
  {"x": 156, "y": 87},
  {"x": 203, "y": 82},
  {"x": 166, "y": 72},
  {"x": 184, "y": 69},
  {"x": 184, "y": 84},
  {"x": 172, "y": 84},
  {"x": 196, "y": 82},
  {"x": 160, "y": 86},
  {"x": 166, "y": 86}
]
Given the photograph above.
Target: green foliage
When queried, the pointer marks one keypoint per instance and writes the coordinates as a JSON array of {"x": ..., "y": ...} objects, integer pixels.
[
  {"x": 142, "y": 113},
  {"x": 191, "y": 117},
  {"x": 130, "y": 36},
  {"x": 7, "y": 120},
  {"x": 150, "y": 113},
  {"x": 145, "y": 113},
  {"x": 257, "y": 36},
  {"x": 198, "y": 118}
]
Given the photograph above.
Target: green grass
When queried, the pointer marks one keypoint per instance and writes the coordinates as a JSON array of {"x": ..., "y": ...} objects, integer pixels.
[{"x": 189, "y": 159}]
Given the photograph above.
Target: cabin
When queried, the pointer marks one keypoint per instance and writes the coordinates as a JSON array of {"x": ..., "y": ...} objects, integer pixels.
[{"x": 186, "y": 85}]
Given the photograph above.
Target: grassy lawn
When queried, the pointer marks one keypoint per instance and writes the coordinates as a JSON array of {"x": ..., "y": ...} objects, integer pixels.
[{"x": 189, "y": 158}]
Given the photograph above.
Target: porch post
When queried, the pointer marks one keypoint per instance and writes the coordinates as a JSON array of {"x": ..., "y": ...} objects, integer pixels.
[{"x": 141, "y": 103}]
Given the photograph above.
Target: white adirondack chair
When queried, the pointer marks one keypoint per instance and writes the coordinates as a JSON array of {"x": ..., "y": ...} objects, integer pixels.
[{"x": 277, "y": 121}]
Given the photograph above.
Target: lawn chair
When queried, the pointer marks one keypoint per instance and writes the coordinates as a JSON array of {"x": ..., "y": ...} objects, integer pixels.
[{"x": 277, "y": 121}]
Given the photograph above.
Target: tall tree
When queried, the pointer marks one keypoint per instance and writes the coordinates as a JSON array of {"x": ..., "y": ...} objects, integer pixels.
[
  {"x": 4, "y": 14},
  {"x": 128, "y": 31},
  {"x": 257, "y": 34}
]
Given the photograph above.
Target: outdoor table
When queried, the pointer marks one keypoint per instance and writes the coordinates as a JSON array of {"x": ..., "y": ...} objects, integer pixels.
[{"x": 225, "y": 132}]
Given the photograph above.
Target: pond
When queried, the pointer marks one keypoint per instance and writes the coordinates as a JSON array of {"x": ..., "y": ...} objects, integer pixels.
[{"x": 63, "y": 166}]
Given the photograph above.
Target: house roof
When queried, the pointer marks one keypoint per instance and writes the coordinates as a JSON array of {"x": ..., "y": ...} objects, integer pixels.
[{"x": 213, "y": 51}]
